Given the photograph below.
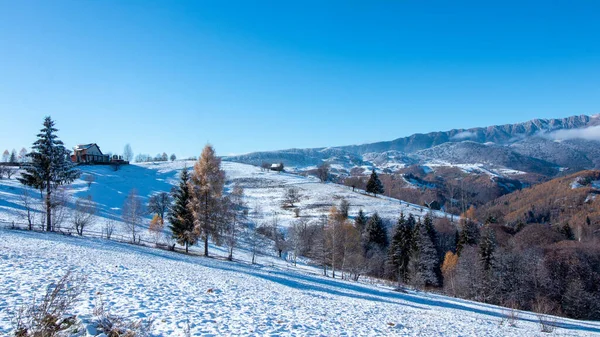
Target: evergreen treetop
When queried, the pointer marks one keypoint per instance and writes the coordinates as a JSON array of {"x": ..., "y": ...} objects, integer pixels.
[{"x": 374, "y": 185}]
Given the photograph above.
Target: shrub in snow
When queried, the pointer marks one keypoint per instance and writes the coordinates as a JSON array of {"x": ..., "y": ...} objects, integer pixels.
[
  {"x": 116, "y": 326},
  {"x": 49, "y": 316}
]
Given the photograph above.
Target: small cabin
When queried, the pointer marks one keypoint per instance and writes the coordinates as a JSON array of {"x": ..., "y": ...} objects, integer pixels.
[
  {"x": 89, "y": 154},
  {"x": 277, "y": 167}
]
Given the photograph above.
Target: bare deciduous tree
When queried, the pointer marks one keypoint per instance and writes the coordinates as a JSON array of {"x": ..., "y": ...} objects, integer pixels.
[
  {"x": 133, "y": 212},
  {"x": 127, "y": 153},
  {"x": 89, "y": 179},
  {"x": 28, "y": 202},
  {"x": 83, "y": 215},
  {"x": 323, "y": 172},
  {"x": 291, "y": 196},
  {"x": 159, "y": 204}
]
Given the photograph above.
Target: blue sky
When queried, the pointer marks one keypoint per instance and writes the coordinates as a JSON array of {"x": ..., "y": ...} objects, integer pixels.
[{"x": 250, "y": 75}]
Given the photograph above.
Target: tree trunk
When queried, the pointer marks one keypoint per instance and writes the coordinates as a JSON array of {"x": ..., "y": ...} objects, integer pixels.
[
  {"x": 186, "y": 247},
  {"x": 48, "y": 207},
  {"x": 206, "y": 245},
  {"x": 206, "y": 226}
]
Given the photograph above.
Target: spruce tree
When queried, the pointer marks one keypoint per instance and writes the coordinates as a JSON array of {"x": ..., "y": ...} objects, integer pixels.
[
  {"x": 487, "y": 247},
  {"x": 360, "y": 222},
  {"x": 424, "y": 258},
  {"x": 468, "y": 236},
  {"x": 13, "y": 157},
  {"x": 374, "y": 185},
  {"x": 180, "y": 215},
  {"x": 50, "y": 166},
  {"x": 433, "y": 235},
  {"x": 375, "y": 233},
  {"x": 400, "y": 249}
]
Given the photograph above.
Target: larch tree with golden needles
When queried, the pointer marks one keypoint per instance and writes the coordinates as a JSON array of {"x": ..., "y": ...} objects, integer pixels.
[{"x": 206, "y": 184}]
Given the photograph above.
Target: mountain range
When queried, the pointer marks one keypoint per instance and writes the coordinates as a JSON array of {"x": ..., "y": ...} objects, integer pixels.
[{"x": 547, "y": 147}]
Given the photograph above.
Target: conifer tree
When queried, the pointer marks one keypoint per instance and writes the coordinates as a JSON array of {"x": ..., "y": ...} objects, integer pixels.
[
  {"x": 374, "y": 185},
  {"x": 375, "y": 233},
  {"x": 180, "y": 214},
  {"x": 468, "y": 236},
  {"x": 487, "y": 247},
  {"x": 424, "y": 258},
  {"x": 13, "y": 157},
  {"x": 433, "y": 235},
  {"x": 360, "y": 222},
  {"x": 50, "y": 166},
  {"x": 401, "y": 249},
  {"x": 207, "y": 182}
]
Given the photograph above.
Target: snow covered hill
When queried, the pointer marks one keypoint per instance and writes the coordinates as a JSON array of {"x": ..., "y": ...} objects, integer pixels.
[
  {"x": 220, "y": 298},
  {"x": 265, "y": 189}
]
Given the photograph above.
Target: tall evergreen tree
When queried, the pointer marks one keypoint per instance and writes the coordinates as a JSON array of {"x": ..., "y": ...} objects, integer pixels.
[
  {"x": 180, "y": 214},
  {"x": 50, "y": 166},
  {"x": 401, "y": 249},
  {"x": 375, "y": 233},
  {"x": 424, "y": 258},
  {"x": 487, "y": 247},
  {"x": 433, "y": 235},
  {"x": 468, "y": 236},
  {"x": 360, "y": 222},
  {"x": 207, "y": 182},
  {"x": 13, "y": 157},
  {"x": 374, "y": 185}
]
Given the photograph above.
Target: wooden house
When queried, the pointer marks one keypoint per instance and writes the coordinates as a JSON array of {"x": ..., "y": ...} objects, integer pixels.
[{"x": 89, "y": 153}]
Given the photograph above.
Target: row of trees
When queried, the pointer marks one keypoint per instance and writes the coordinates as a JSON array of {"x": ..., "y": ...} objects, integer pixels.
[
  {"x": 14, "y": 157},
  {"x": 143, "y": 158}
]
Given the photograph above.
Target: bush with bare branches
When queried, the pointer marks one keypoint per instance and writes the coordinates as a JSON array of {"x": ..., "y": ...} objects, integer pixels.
[{"x": 50, "y": 315}]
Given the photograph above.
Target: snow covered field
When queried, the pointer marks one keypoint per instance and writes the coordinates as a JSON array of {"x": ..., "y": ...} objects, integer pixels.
[
  {"x": 218, "y": 297},
  {"x": 243, "y": 299},
  {"x": 264, "y": 189}
]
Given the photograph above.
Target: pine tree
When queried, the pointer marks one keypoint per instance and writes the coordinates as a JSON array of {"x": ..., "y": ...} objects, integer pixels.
[
  {"x": 50, "y": 166},
  {"x": 424, "y": 258},
  {"x": 375, "y": 233},
  {"x": 360, "y": 221},
  {"x": 13, "y": 157},
  {"x": 180, "y": 214},
  {"x": 433, "y": 235},
  {"x": 567, "y": 231},
  {"x": 207, "y": 182},
  {"x": 468, "y": 236},
  {"x": 401, "y": 249},
  {"x": 487, "y": 247},
  {"x": 374, "y": 185}
]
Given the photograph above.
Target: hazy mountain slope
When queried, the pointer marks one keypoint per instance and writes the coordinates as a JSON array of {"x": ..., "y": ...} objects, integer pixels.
[
  {"x": 500, "y": 134},
  {"x": 536, "y": 146},
  {"x": 492, "y": 155}
]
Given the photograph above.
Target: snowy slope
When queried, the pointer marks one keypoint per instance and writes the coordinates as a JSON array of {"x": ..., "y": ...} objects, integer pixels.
[
  {"x": 253, "y": 300},
  {"x": 263, "y": 189}
]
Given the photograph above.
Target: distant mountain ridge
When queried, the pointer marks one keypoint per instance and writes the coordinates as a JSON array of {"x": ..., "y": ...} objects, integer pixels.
[
  {"x": 531, "y": 146},
  {"x": 500, "y": 134}
]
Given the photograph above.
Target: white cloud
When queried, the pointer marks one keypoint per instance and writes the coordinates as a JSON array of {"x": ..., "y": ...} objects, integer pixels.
[
  {"x": 590, "y": 133},
  {"x": 464, "y": 135}
]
